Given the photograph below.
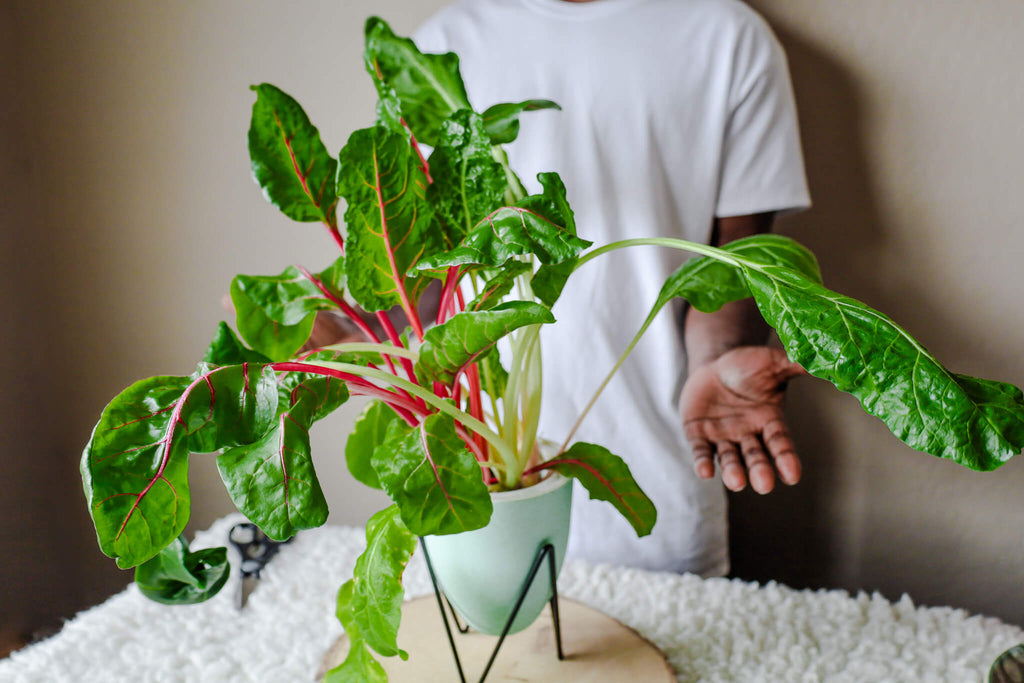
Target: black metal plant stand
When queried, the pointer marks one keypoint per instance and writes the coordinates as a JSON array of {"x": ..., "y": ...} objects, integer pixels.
[{"x": 546, "y": 551}]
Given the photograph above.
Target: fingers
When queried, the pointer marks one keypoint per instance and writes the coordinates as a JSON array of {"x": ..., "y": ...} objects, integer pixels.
[
  {"x": 780, "y": 445},
  {"x": 734, "y": 475},
  {"x": 703, "y": 458},
  {"x": 753, "y": 459},
  {"x": 759, "y": 469}
]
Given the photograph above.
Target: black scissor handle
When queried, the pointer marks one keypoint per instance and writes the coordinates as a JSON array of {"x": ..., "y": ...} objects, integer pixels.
[{"x": 255, "y": 547}]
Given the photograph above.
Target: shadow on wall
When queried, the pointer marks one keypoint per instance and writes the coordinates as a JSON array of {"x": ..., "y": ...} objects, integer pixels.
[
  {"x": 785, "y": 536},
  {"x": 830, "y": 531}
]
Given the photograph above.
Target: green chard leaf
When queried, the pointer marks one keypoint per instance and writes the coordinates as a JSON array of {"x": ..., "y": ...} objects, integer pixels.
[
  {"x": 541, "y": 225},
  {"x": 549, "y": 281},
  {"x": 369, "y": 431},
  {"x": 975, "y": 422},
  {"x": 434, "y": 479},
  {"x": 175, "y": 576},
  {"x": 289, "y": 161},
  {"x": 227, "y": 349},
  {"x": 135, "y": 466},
  {"x": 275, "y": 313},
  {"x": 388, "y": 217},
  {"x": 429, "y": 86},
  {"x": 502, "y": 120},
  {"x": 468, "y": 183},
  {"x": 606, "y": 477},
  {"x": 370, "y": 604},
  {"x": 708, "y": 284},
  {"x": 466, "y": 337},
  {"x": 272, "y": 480},
  {"x": 359, "y": 666},
  {"x": 493, "y": 375},
  {"x": 498, "y": 285}
]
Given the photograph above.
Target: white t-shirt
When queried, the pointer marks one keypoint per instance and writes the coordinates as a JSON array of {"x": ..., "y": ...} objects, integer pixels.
[{"x": 673, "y": 112}]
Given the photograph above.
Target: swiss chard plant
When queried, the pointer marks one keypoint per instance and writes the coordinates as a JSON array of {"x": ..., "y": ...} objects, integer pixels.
[{"x": 425, "y": 196}]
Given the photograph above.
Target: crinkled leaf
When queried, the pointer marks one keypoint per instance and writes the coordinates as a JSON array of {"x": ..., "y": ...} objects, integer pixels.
[
  {"x": 975, "y": 422},
  {"x": 468, "y": 183},
  {"x": 370, "y": 605},
  {"x": 389, "y": 109},
  {"x": 227, "y": 349},
  {"x": 369, "y": 431},
  {"x": 498, "y": 285},
  {"x": 333, "y": 277},
  {"x": 135, "y": 466},
  {"x": 606, "y": 477},
  {"x": 289, "y": 161},
  {"x": 230, "y": 406},
  {"x": 465, "y": 337},
  {"x": 273, "y": 481},
  {"x": 175, "y": 576},
  {"x": 553, "y": 204},
  {"x": 388, "y": 217},
  {"x": 429, "y": 86},
  {"x": 542, "y": 225},
  {"x": 434, "y": 479},
  {"x": 502, "y": 120},
  {"x": 275, "y": 313}
]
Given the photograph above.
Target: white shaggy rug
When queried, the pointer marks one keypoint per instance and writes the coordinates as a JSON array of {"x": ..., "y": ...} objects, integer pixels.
[{"x": 710, "y": 630}]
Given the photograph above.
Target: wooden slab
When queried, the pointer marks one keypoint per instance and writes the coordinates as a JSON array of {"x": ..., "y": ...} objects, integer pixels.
[{"x": 597, "y": 648}]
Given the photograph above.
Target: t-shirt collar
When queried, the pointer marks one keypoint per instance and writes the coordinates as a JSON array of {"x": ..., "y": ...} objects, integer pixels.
[{"x": 580, "y": 10}]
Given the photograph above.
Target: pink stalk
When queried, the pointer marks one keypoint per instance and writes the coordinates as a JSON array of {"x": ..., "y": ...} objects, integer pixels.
[
  {"x": 416, "y": 146},
  {"x": 403, "y": 294},
  {"x": 392, "y": 333},
  {"x": 457, "y": 393},
  {"x": 446, "y": 306},
  {"x": 481, "y": 458},
  {"x": 365, "y": 329},
  {"x": 357, "y": 320},
  {"x": 476, "y": 408},
  {"x": 333, "y": 229},
  {"x": 403, "y": 412},
  {"x": 359, "y": 385}
]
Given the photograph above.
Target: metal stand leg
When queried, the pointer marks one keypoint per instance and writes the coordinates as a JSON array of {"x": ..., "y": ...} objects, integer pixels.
[
  {"x": 547, "y": 551},
  {"x": 463, "y": 628}
]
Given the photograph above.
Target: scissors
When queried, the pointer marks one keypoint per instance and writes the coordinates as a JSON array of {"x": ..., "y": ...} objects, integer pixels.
[{"x": 256, "y": 549}]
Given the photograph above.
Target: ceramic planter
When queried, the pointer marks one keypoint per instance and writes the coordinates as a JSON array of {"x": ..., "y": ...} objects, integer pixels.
[{"x": 482, "y": 572}]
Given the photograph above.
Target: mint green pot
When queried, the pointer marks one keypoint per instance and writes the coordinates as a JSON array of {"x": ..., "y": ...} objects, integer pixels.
[{"x": 482, "y": 572}]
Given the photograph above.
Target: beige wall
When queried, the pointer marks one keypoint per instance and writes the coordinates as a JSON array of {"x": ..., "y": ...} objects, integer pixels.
[{"x": 127, "y": 207}]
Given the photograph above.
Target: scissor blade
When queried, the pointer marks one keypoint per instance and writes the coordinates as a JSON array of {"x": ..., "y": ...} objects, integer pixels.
[{"x": 245, "y": 588}]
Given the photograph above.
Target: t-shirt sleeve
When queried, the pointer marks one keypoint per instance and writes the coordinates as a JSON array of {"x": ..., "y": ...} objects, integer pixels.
[{"x": 762, "y": 164}]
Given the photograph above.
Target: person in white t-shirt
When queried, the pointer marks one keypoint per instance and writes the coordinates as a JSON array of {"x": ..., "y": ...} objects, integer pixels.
[{"x": 677, "y": 120}]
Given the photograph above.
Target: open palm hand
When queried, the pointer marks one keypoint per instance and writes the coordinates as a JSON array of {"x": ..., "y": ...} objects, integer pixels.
[{"x": 732, "y": 409}]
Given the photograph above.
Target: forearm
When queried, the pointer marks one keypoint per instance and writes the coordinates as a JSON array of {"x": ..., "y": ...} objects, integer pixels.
[{"x": 708, "y": 335}]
